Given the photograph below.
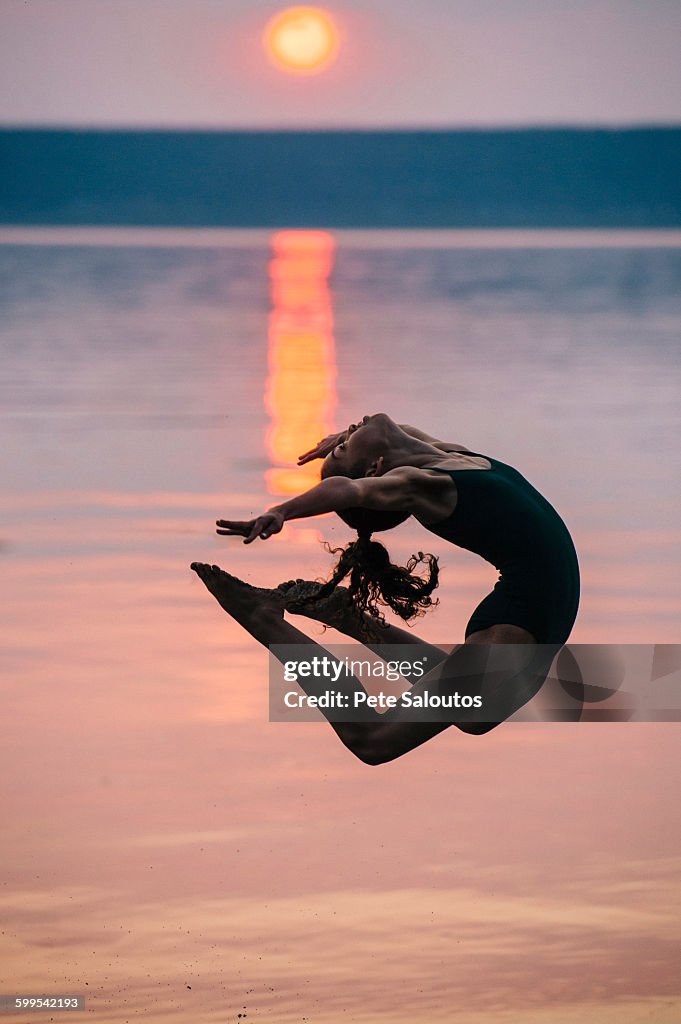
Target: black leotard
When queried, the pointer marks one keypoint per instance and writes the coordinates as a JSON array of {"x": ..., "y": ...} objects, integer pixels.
[{"x": 502, "y": 517}]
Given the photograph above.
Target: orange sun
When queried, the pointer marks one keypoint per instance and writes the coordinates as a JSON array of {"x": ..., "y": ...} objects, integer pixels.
[{"x": 303, "y": 40}]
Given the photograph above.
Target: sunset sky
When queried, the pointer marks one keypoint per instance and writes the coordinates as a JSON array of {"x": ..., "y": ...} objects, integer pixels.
[{"x": 466, "y": 62}]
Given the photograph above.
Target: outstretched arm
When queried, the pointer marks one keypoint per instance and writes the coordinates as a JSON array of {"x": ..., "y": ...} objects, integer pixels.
[{"x": 397, "y": 490}]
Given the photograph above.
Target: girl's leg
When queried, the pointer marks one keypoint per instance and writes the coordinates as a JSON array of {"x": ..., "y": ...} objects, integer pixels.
[
  {"x": 336, "y": 611},
  {"x": 261, "y": 613},
  {"x": 374, "y": 738}
]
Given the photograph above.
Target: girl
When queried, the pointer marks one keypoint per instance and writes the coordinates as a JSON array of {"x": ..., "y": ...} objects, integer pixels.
[{"x": 375, "y": 475}]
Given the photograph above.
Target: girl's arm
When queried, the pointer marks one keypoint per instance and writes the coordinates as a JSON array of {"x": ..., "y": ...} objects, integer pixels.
[{"x": 397, "y": 490}]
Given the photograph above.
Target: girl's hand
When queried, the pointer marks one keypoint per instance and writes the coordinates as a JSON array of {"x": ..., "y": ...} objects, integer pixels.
[
  {"x": 264, "y": 526},
  {"x": 322, "y": 448},
  {"x": 327, "y": 444}
]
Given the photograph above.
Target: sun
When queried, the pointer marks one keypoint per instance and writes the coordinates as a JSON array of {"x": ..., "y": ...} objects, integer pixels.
[{"x": 301, "y": 40}]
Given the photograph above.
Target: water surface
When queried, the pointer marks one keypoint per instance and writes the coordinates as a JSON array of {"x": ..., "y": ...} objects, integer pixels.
[{"x": 167, "y": 850}]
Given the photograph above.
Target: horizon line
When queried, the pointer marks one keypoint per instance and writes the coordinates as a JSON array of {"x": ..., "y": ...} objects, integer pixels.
[{"x": 436, "y": 128}]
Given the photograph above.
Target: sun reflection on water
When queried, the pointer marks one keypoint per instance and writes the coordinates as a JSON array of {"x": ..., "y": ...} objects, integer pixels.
[{"x": 300, "y": 394}]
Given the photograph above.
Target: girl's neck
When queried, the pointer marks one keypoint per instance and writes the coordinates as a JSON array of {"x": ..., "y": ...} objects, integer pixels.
[{"x": 410, "y": 452}]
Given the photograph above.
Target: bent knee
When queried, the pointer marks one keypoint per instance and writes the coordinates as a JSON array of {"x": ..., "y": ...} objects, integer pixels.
[
  {"x": 477, "y": 728},
  {"x": 371, "y": 754},
  {"x": 370, "y": 751},
  {"x": 364, "y": 741}
]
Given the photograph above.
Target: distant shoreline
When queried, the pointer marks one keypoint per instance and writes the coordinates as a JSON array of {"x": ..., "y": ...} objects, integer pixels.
[{"x": 520, "y": 179}]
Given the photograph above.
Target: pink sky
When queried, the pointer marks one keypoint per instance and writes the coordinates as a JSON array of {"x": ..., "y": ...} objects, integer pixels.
[{"x": 468, "y": 62}]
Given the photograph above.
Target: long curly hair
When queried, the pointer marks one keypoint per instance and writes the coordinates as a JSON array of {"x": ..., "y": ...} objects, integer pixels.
[{"x": 374, "y": 581}]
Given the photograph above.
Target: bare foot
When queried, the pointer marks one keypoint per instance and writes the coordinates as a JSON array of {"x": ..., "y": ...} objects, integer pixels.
[
  {"x": 243, "y": 602},
  {"x": 331, "y": 610}
]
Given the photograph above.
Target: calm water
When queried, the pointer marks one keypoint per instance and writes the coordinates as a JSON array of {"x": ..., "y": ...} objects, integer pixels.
[{"x": 169, "y": 852}]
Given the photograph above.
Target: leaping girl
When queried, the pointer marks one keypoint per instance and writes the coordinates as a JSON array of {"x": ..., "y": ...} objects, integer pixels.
[{"x": 375, "y": 475}]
